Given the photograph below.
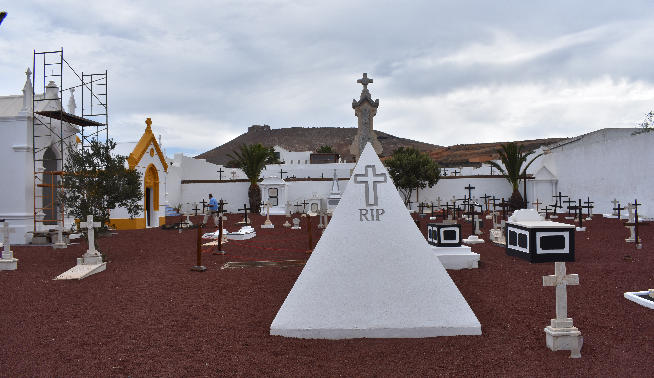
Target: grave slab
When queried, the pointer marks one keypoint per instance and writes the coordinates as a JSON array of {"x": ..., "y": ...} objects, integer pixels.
[
  {"x": 373, "y": 274},
  {"x": 643, "y": 298},
  {"x": 457, "y": 257}
]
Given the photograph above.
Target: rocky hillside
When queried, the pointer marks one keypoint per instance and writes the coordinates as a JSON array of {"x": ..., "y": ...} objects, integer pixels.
[
  {"x": 308, "y": 139},
  {"x": 474, "y": 154}
]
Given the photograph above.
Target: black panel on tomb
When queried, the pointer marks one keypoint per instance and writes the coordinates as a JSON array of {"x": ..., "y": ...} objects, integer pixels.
[
  {"x": 552, "y": 242},
  {"x": 444, "y": 235},
  {"x": 538, "y": 245}
]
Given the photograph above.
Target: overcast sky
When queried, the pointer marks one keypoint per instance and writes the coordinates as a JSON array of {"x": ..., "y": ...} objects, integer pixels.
[{"x": 445, "y": 72}]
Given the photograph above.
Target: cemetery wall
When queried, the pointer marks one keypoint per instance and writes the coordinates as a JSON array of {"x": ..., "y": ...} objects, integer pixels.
[{"x": 603, "y": 165}]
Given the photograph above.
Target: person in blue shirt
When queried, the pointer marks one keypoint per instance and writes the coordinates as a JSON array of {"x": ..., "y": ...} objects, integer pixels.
[{"x": 212, "y": 209}]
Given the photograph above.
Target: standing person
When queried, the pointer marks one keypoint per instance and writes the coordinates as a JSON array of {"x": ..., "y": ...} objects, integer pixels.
[{"x": 212, "y": 209}]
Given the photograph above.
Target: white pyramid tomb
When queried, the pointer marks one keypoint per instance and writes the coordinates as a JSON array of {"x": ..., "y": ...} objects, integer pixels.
[{"x": 372, "y": 274}]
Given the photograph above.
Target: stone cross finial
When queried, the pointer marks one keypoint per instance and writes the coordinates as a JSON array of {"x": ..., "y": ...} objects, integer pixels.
[
  {"x": 561, "y": 281},
  {"x": 148, "y": 122},
  {"x": 364, "y": 81},
  {"x": 90, "y": 226}
]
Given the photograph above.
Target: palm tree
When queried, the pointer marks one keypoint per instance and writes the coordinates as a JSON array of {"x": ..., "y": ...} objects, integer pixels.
[
  {"x": 513, "y": 158},
  {"x": 252, "y": 159}
]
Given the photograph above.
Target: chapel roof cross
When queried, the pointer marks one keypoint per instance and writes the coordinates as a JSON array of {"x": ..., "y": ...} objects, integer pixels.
[{"x": 364, "y": 81}]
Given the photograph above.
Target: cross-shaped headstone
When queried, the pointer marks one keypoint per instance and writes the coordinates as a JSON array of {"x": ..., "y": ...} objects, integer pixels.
[
  {"x": 636, "y": 239},
  {"x": 559, "y": 200},
  {"x": 204, "y": 205},
  {"x": 471, "y": 212},
  {"x": 537, "y": 204},
  {"x": 245, "y": 213},
  {"x": 561, "y": 281},
  {"x": 547, "y": 211},
  {"x": 220, "y": 173},
  {"x": 455, "y": 172},
  {"x": 297, "y": 207},
  {"x": 618, "y": 209},
  {"x": 370, "y": 179},
  {"x": 469, "y": 188},
  {"x": 485, "y": 197},
  {"x": 90, "y": 226},
  {"x": 615, "y": 204},
  {"x": 578, "y": 209},
  {"x": 195, "y": 208},
  {"x": 233, "y": 174},
  {"x": 438, "y": 201},
  {"x": 364, "y": 81},
  {"x": 221, "y": 206},
  {"x": 408, "y": 203},
  {"x": 304, "y": 206},
  {"x": 568, "y": 202}
]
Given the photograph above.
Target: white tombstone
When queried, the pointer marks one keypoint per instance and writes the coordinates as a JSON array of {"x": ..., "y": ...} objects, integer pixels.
[
  {"x": 296, "y": 224},
  {"x": 561, "y": 334},
  {"x": 632, "y": 220},
  {"x": 90, "y": 262},
  {"x": 274, "y": 191},
  {"x": 372, "y": 273},
  {"x": 7, "y": 262}
]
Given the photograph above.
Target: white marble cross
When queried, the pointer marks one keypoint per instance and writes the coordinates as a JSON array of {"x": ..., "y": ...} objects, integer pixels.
[
  {"x": 90, "y": 226},
  {"x": 561, "y": 281},
  {"x": 438, "y": 202},
  {"x": 5, "y": 239},
  {"x": 630, "y": 208}
]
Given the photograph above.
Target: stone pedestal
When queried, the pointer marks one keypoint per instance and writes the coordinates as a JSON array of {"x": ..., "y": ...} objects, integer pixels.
[
  {"x": 90, "y": 258},
  {"x": 267, "y": 224},
  {"x": 632, "y": 234},
  {"x": 564, "y": 338},
  {"x": 8, "y": 262}
]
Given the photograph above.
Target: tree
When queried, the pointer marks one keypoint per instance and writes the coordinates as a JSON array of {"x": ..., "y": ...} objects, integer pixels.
[
  {"x": 411, "y": 169},
  {"x": 647, "y": 124},
  {"x": 324, "y": 150},
  {"x": 513, "y": 158},
  {"x": 96, "y": 181},
  {"x": 252, "y": 159}
]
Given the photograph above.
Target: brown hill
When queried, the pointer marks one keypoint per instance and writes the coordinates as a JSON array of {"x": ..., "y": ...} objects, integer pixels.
[
  {"x": 475, "y": 154},
  {"x": 308, "y": 139}
]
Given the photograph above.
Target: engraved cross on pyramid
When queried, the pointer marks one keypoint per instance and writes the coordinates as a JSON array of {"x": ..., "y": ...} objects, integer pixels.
[{"x": 372, "y": 274}]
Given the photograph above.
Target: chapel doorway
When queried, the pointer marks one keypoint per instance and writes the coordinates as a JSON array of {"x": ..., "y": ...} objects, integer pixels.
[{"x": 151, "y": 196}]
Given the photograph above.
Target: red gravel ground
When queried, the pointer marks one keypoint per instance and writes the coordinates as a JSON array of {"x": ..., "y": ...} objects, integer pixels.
[{"x": 149, "y": 315}]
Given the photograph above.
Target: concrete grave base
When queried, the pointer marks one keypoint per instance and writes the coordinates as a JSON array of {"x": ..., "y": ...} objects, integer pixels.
[
  {"x": 637, "y": 296},
  {"x": 457, "y": 257},
  {"x": 371, "y": 333},
  {"x": 564, "y": 339},
  {"x": 580, "y": 228},
  {"x": 246, "y": 236},
  {"x": 267, "y": 224},
  {"x": 9, "y": 264},
  {"x": 81, "y": 271},
  {"x": 473, "y": 239}
]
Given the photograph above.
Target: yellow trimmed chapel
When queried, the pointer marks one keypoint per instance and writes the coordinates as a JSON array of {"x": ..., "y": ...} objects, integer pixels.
[{"x": 147, "y": 159}]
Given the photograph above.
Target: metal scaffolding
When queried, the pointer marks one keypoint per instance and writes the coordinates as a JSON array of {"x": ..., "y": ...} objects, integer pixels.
[{"x": 54, "y": 130}]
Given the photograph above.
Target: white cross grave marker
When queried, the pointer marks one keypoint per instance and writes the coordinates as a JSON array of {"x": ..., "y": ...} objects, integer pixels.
[
  {"x": 561, "y": 334},
  {"x": 561, "y": 281},
  {"x": 90, "y": 226},
  {"x": 615, "y": 205},
  {"x": 60, "y": 237}
]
